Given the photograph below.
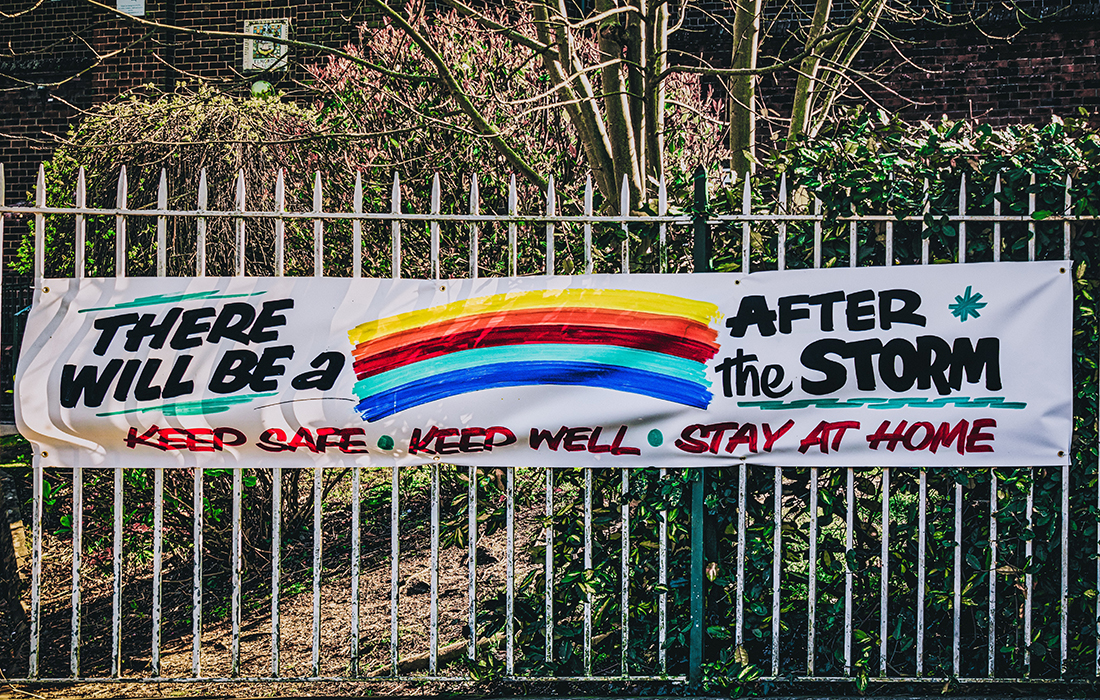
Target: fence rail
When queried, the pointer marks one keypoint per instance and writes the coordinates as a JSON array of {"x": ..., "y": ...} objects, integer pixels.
[
  {"x": 784, "y": 213},
  {"x": 604, "y": 574}
]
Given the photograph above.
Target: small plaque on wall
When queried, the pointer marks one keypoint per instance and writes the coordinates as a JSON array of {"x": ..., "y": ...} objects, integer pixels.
[
  {"x": 134, "y": 8},
  {"x": 261, "y": 53}
]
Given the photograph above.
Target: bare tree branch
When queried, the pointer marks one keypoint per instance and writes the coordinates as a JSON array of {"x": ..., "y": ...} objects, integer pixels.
[
  {"x": 30, "y": 9},
  {"x": 825, "y": 41},
  {"x": 518, "y": 37},
  {"x": 464, "y": 102}
]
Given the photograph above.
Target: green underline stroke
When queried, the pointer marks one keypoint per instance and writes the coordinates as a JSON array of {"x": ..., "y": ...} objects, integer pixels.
[
  {"x": 158, "y": 299},
  {"x": 193, "y": 408},
  {"x": 887, "y": 403}
]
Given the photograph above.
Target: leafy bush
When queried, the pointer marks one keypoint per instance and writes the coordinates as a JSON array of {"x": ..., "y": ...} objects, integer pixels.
[{"x": 184, "y": 133}]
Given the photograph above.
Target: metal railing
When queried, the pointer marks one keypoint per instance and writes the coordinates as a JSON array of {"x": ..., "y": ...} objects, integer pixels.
[{"x": 653, "y": 591}]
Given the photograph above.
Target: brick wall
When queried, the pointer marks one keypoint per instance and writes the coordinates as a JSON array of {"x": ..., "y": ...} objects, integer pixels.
[
  {"x": 1042, "y": 72},
  {"x": 60, "y": 39},
  {"x": 48, "y": 71},
  {"x": 1051, "y": 69}
]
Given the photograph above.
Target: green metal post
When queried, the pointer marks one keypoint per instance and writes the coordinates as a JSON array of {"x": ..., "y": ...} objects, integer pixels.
[
  {"x": 701, "y": 247},
  {"x": 701, "y": 255},
  {"x": 695, "y": 641}
]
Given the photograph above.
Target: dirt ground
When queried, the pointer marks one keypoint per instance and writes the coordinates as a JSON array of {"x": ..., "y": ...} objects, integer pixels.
[{"x": 296, "y": 611}]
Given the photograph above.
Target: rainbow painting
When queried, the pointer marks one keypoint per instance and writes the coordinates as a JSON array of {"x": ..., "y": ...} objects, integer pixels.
[{"x": 644, "y": 343}]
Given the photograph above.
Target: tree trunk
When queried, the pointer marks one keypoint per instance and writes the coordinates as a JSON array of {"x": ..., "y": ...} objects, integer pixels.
[
  {"x": 807, "y": 75},
  {"x": 11, "y": 584},
  {"x": 637, "y": 57},
  {"x": 655, "y": 90},
  {"x": 746, "y": 37},
  {"x": 581, "y": 104},
  {"x": 620, "y": 127},
  {"x": 832, "y": 85}
]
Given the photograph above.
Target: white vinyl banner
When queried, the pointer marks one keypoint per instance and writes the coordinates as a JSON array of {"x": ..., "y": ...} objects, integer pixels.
[{"x": 945, "y": 365}]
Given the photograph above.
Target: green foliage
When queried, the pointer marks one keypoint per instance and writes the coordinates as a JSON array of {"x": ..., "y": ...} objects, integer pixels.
[
  {"x": 15, "y": 452},
  {"x": 871, "y": 164},
  {"x": 362, "y": 123},
  {"x": 874, "y": 166},
  {"x": 648, "y": 493}
]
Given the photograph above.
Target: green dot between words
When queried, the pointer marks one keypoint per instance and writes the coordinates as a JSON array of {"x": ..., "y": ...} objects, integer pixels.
[
  {"x": 655, "y": 438},
  {"x": 385, "y": 442}
]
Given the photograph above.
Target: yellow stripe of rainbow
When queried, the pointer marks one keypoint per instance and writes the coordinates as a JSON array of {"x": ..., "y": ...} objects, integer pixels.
[{"x": 619, "y": 299}]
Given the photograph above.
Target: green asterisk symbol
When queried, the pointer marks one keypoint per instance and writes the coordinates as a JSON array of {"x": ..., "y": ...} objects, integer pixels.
[{"x": 967, "y": 305}]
